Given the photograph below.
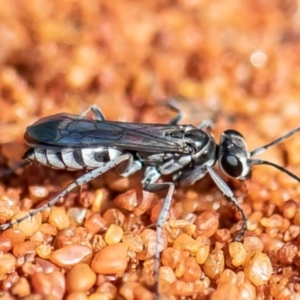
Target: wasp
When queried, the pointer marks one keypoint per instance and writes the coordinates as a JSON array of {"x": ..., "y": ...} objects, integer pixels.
[{"x": 185, "y": 152}]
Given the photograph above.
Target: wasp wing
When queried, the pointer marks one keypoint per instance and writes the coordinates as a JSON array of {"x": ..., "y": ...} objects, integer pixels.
[{"x": 72, "y": 131}]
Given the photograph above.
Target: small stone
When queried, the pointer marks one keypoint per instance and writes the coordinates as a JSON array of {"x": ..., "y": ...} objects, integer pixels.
[
  {"x": 21, "y": 288},
  {"x": 30, "y": 225},
  {"x": 58, "y": 218},
  {"x": 206, "y": 224},
  {"x": 181, "y": 288},
  {"x": 192, "y": 271},
  {"x": 171, "y": 257},
  {"x": 5, "y": 244},
  {"x": 76, "y": 215},
  {"x": 113, "y": 234},
  {"x": 202, "y": 254},
  {"x": 237, "y": 253},
  {"x": 77, "y": 296},
  {"x": 25, "y": 248},
  {"x": 226, "y": 291},
  {"x": 53, "y": 284},
  {"x": 185, "y": 242},
  {"x": 43, "y": 251},
  {"x": 71, "y": 255},
  {"x": 214, "y": 265},
  {"x": 253, "y": 244},
  {"x": 258, "y": 268},
  {"x": 133, "y": 241},
  {"x": 15, "y": 235},
  {"x": 127, "y": 201},
  {"x": 95, "y": 223},
  {"x": 111, "y": 259},
  {"x": 8, "y": 263},
  {"x": 80, "y": 278}
]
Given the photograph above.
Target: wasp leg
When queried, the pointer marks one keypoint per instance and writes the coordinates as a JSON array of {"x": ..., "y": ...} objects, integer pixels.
[
  {"x": 173, "y": 105},
  {"x": 189, "y": 176},
  {"x": 96, "y": 111},
  {"x": 151, "y": 175},
  {"x": 206, "y": 124},
  {"x": 222, "y": 185},
  {"x": 87, "y": 177}
]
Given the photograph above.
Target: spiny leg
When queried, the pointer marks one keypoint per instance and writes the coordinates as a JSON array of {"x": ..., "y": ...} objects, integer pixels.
[
  {"x": 222, "y": 185},
  {"x": 173, "y": 105},
  {"x": 78, "y": 182},
  {"x": 96, "y": 111},
  {"x": 152, "y": 175},
  {"x": 21, "y": 165},
  {"x": 206, "y": 124}
]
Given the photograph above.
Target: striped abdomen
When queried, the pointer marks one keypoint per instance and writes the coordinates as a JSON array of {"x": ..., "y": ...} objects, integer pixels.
[{"x": 72, "y": 159}]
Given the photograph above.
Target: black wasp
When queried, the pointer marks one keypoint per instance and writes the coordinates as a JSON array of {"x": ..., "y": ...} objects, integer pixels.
[{"x": 187, "y": 153}]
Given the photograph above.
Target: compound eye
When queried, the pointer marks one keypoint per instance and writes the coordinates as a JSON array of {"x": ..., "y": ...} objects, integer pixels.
[{"x": 232, "y": 166}]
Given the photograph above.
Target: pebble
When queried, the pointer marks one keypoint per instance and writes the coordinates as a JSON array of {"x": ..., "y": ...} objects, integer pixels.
[
  {"x": 53, "y": 284},
  {"x": 43, "y": 251},
  {"x": 80, "y": 278},
  {"x": 77, "y": 296},
  {"x": 253, "y": 244},
  {"x": 226, "y": 291},
  {"x": 114, "y": 216},
  {"x": 171, "y": 257},
  {"x": 15, "y": 235},
  {"x": 237, "y": 253},
  {"x": 37, "y": 193},
  {"x": 59, "y": 218},
  {"x": 144, "y": 203},
  {"x": 46, "y": 265},
  {"x": 76, "y": 215},
  {"x": 206, "y": 224},
  {"x": 95, "y": 223},
  {"x": 181, "y": 288},
  {"x": 214, "y": 265},
  {"x": 30, "y": 225},
  {"x": 185, "y": 242},
  {"x": 101, "y": 197},
  {"x": 148, "y": 237},
  {"x": 192, "y": 271},
  {"x": 8, "y": 263},
  {"x": 21, "y": 288},
  {"x": 258, "y": 269},
  {"x": 133, "y": 290},
  {"x": 166, "y": 274},
  {"x": 202, "y": 254},
  {"x": 111, "y": 259},
  {"x": 133, "y": 241},
  {"x": 71, "y": 255},
  {"x": 113, "y": 234},
  {"x": 48, "y": 229},
  {"x": 25, "y": 248},
  {"x": 127, "y": 201},
  {"x": 5, "y": 244},
  {"x": 108, "y": 289}
]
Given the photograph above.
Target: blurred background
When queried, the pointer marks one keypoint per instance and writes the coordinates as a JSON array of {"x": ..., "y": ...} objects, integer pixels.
[
  {"x": 241, "y": 58},
  {"x": 236, "y": 62}
]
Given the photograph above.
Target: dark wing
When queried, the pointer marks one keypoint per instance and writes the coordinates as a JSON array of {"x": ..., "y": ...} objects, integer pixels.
[{"x": 71, "y": 131}]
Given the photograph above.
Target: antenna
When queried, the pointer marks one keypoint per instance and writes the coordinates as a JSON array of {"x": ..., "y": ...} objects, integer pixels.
[{"x": 262, "y": 149}]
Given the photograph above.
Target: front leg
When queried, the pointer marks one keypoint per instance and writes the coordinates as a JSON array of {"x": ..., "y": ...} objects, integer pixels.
[
  {"x": 188, "y": 176},
  {"x": 225, "y": 189}
]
